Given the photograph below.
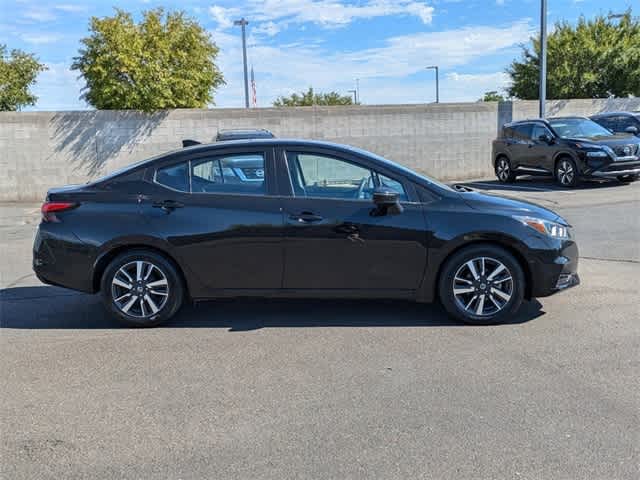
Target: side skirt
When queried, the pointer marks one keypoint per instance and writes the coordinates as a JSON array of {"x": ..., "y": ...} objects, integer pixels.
[{"x": 309, "y": 293}]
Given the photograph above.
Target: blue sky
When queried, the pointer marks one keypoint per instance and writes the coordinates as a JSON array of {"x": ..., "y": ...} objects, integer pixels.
[{"x": 327, "y": 44}]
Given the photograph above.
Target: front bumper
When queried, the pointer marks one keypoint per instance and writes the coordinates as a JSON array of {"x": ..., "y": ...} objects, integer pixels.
[
  {"x": 556, "y": 270},
  {"x": 628, "y": 166}
]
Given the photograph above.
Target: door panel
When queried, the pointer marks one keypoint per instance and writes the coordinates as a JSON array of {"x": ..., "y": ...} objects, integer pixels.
[
  {"x": 334, "y": 238},
  {"x": 344, "y": 246},
  {"x": 228, "y": 240}
]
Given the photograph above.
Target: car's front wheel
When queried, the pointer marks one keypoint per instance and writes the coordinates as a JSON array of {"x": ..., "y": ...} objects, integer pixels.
[
  {"x": 566, "y": 173},
  {"x": 142, "y": 288},
  {"x": 482, "y": 284}
]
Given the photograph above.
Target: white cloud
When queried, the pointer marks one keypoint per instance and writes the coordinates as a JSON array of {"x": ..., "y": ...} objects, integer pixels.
[
  {"x": 72, "y": 8},
  {"x": 326, "y": 13},
  {"x": 58, "y": 88},
  {"x": 39, "y": 14},
  {"x": 222, "y": 16},
  {"x": 469, "y": 87},
  {"x": 40, "y": 38},
  {"x": 268, "y": 28},
  {"x": 286, "y": 68}
]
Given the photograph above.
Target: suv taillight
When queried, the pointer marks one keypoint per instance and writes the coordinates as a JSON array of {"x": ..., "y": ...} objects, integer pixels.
[{"x": 49, "y": 209}]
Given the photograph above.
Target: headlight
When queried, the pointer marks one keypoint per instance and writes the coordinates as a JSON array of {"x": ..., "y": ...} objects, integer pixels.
[
  {"x": 552, "y": 229},
  {"x": 597, "y": 154}
]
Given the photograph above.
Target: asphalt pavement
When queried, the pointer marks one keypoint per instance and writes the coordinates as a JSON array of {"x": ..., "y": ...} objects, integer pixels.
[{"x": 268, "y": 389}]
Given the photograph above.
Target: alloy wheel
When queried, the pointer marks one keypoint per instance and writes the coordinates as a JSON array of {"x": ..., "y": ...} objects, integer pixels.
[
  {"x": 140, "y": 289},
  {"x": 503, "y": 170},
  {"x": 482, "y": 286},
  {"x": 565, "y": 172}
]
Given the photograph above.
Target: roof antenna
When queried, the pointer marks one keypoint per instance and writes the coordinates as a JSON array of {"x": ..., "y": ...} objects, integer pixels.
[{"x": 190, "y": 143}]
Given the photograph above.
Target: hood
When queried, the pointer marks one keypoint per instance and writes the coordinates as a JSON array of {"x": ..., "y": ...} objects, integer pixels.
[
  {"x": 619, "y": 139},
  {"x": 508, "y": 206}
]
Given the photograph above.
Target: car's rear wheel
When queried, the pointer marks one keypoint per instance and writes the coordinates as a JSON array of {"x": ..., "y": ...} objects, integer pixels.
[
  {"x": 482, "y": 284},
  {"x": 142, "y": 288},
  {"x": 566, "y": 173},
  {"x": 504, "y": 172}
]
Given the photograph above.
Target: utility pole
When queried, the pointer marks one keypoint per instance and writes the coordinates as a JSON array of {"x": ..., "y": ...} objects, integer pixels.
[
  {"x": 355, "y": 95},
  {"x": 357, "y": 90},
  {"x": 543, "y": 57},
  {"x": 435, "y": 67},
  {"x": 243, "y": 24}
]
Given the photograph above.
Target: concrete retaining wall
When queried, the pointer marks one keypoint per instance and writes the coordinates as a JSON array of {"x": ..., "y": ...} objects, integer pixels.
[{"x": 448, "y": 141}]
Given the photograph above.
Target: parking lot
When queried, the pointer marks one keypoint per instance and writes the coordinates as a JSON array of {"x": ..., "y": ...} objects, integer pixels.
[{"x": 332, "y": 389}]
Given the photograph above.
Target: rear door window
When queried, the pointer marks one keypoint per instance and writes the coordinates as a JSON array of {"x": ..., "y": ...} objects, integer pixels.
[
  {"x": 522, "y": 133},
  {"x": 236, "y": 173}
]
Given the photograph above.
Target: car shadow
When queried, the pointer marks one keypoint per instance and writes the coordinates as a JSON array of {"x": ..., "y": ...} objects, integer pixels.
[
  {"x": 541, "y": 184},
  {"x": 45, "y": 307}
]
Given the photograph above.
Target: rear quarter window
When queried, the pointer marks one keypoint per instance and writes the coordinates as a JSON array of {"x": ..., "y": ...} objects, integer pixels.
[{"x": 175, "y": 177}]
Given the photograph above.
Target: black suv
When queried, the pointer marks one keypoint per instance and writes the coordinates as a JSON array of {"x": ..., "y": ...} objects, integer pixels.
[
  {"x": 620, "y": 122},
  {"x": 569, "y": 148}
]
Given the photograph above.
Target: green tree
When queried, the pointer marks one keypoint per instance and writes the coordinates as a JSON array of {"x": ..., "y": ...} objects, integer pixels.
[
  {"x": 310, "y": 97},
  {"x": 165, "y": 61},
  {"x": 18, "y": 73},
  {"x": 593, "y": 59},
  {"x": 492, "y": 96}
]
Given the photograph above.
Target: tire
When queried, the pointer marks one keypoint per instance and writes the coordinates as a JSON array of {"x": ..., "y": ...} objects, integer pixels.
[
  {"x": 507, "y": 294},
  {"x": 566, "y": 173},
  {"x": 504, "y": 172},
  {"x": 152, "y": 300}
]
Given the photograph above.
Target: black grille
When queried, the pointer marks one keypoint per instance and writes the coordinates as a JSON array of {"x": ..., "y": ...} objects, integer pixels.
[{"x": 625, "y": 166}]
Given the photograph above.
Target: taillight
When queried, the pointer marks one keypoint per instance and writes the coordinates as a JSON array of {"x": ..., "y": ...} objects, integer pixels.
[{"x": 49, "y": 209}]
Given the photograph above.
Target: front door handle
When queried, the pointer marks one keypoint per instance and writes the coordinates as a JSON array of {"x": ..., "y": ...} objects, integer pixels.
[
  {"x": 167, "y": 205},
  {"x": 306, "y": 217}
]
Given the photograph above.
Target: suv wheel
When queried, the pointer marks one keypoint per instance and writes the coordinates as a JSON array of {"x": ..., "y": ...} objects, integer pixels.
[
  {"x": 503, "y": 170},
  {"x": 566, "y": 173},
  {"x": 482, "y": 285},
  {"x": 141, "y": 288}
]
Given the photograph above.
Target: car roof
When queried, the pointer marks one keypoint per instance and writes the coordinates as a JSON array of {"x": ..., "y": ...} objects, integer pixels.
[
  {"x": 615, "y": 114},
  {"x": 243, "y": 133},
  {"x": 526, "y": 120}
]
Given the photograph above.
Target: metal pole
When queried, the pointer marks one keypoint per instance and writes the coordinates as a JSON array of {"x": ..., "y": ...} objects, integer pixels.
[
  {"x": 355, "y": 95},
  {"x": 357, "y": 90},
  {"x": 543, "y": 57},
  {"x": 243, "y": 23},
  {"x": 435, "y": 67}
]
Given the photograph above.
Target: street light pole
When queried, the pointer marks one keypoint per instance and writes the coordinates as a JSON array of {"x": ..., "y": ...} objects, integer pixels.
[
  {"x": 357, "y": 90},
  {"x": 355, "y": 95},
  {"x": 435, "y": 67},
  {"x": 543, "y": 57},
  {"x": 243, "y": 24}
]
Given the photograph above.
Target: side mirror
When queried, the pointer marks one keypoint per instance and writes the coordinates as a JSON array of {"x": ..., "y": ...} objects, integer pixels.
[
  {"x": 386, "y": 201},
  {"x": 546, "y": 138},
  {"x": 631, "y": 129}
]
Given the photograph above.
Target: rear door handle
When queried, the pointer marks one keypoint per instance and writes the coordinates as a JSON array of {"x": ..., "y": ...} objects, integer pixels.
[
  {"x": 167, "y": 205},
  {"x": 306, "y": 217}
]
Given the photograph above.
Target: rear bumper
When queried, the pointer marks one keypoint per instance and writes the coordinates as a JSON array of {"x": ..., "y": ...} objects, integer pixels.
[{"x": 62, "y": 259}]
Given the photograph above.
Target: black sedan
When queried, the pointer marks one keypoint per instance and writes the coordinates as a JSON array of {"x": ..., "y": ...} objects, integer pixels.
[{"x": 294, "y": 218}]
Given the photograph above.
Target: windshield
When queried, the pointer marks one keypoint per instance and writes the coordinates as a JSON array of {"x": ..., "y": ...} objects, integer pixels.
[{"x": 578, "y": 127}]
